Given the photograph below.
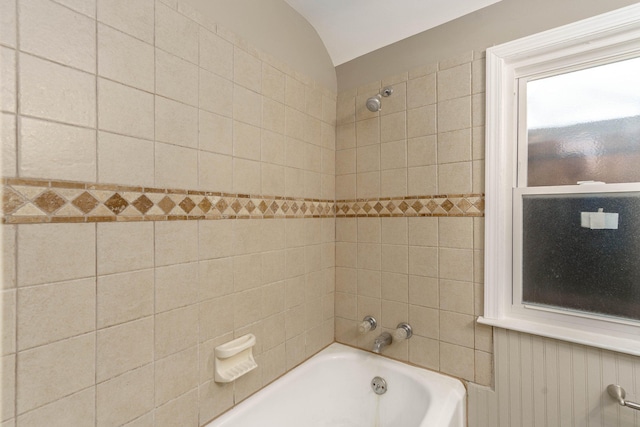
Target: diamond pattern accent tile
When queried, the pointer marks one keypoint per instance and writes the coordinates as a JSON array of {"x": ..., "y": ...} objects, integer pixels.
[
  {"x": 391, "y": 207},
  {"x": 49, "y": 201},
  {"x": 187, "y": 205},
  {"x": 205, "y": 205},
  {"x": 458, "y": 205},
  {"x": 143, "y": 204},
  {"x": 166, "y": 204},
  {"x": 26, "y": 201},
  {"x": 236, "y": 206},
  {"x": 463, "y": 205},
  {"x": 222, "y": 205},
  {"x": 11, "y": 201},
  {"x": 431, "y": 205},
  {"x": 85, "y": 202},
  {"x": 447, "y": 205},
  {"x": 116, "y": 203}
]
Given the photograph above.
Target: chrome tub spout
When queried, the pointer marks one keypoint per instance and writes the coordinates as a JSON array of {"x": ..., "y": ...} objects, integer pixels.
[{"x": 382, "y": 340}]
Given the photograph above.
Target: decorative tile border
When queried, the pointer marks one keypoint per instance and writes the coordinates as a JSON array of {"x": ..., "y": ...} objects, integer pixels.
[
  {"x": 440, "y": 205},
  {"x": 29, "y": 201}
]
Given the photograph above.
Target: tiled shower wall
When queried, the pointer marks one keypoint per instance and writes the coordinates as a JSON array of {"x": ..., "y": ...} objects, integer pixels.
[
  {"x": 110, "y": 319},
  {"x": 428, "y": 139}
]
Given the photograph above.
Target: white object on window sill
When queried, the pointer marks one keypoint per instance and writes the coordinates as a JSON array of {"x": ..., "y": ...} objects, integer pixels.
[
  {"x": 599, "y": 220},
  {"x": 234, "y": 359}
]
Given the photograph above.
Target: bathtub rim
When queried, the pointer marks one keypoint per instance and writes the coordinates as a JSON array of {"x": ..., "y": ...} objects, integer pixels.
[{"x": 456, "y": 386}]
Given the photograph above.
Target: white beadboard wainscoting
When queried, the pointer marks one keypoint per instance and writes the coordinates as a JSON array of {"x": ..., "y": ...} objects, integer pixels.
[{"x": 545, "y": 382}]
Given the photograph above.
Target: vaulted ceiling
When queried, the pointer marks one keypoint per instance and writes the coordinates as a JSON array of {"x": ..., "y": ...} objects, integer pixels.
[{"x": 352, "y": 28}]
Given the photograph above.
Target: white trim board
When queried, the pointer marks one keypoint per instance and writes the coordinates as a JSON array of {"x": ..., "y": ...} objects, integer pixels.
[{"x": 612, "y": 35}]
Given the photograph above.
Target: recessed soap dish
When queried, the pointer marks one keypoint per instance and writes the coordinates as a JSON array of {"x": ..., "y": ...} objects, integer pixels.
[{"x": 234, "y": 359}]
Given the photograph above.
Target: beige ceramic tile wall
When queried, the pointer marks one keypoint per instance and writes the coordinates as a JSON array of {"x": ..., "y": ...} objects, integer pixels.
[
  {"x": 115, "y": 323},
  {"x": 130, "y": 313},
  {"x": 426, "y": 140}
]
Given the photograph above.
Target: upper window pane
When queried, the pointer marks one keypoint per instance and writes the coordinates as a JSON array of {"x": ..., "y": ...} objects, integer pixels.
[{"x": 585, "y": 126}]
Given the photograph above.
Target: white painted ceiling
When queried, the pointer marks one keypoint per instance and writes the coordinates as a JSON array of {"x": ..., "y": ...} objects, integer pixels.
[{"x": 352, "y": 28}]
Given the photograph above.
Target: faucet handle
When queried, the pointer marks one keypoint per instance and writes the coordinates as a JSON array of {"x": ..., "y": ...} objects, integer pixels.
[
  {"x": 369, "y": 323},
  {"x": 403, "y": 332}
]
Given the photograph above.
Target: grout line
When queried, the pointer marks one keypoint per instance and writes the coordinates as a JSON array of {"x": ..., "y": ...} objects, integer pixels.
[
  {"x": 18, "y": 123},
  {"x": 55, "y": 62},
  {"x": 97, "y": 111},
  {"x": 199, "y": 257},
  {"x": 40, "y": 406},
  {"x": 153, "y": 314},
  {"x": 97, "y": 179},
  {"x": 59, "y": 3},
  {"x": 54, "y": 121},
  {"x": 18, "y": 106}
]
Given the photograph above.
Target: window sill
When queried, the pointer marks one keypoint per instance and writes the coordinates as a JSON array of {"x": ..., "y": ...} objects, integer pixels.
[{"x": 623, "y": 344}]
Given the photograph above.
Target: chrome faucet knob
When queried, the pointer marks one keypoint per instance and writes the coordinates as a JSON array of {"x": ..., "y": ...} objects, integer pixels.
[
  {"x": 369, "y": 323},
  {"x": 403, "y": 332}
]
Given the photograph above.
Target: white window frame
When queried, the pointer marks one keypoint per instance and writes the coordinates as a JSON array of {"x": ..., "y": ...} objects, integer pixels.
[{"x": 601, "y": 39}]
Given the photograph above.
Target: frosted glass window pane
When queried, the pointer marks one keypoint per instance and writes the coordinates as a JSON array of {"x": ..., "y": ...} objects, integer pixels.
[
  {"x": 585, "y": 126},
  {"x": 570, "y": 267}
]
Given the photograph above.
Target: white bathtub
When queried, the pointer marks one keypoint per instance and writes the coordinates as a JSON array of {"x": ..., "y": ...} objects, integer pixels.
[{"x": 333, "y": 389}]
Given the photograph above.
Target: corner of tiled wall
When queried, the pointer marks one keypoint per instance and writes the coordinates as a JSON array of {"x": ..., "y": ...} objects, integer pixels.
[
  {"x": 169, "y": 187},
  {"x": 421, "y": 263},
  {"x": 166, "y": 188}
]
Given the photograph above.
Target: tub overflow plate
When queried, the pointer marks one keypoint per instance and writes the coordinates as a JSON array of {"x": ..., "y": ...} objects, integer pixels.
[{"x": 379, "y": 385}]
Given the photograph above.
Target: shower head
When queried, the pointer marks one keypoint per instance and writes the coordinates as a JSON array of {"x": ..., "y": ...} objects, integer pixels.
[{"x": 375, "y": 102}]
